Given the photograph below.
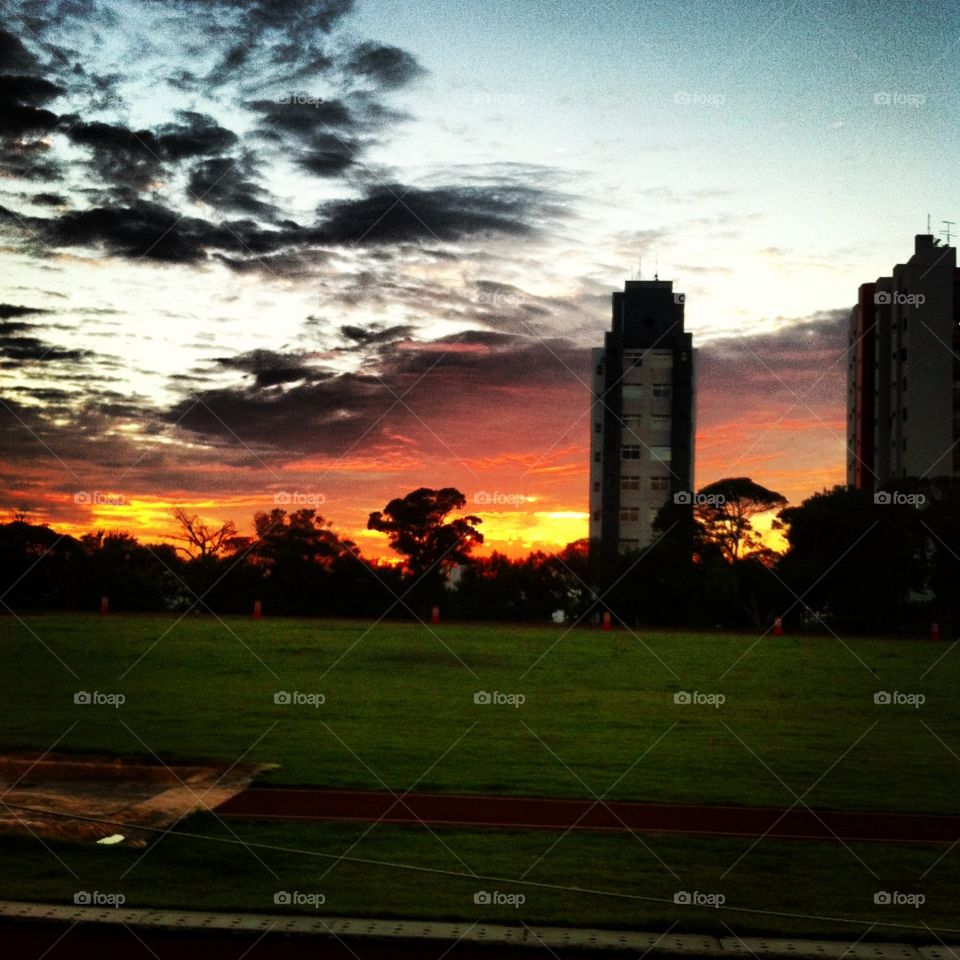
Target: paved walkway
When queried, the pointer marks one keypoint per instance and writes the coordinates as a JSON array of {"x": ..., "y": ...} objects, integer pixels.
[{"x": 526, "y": 813}]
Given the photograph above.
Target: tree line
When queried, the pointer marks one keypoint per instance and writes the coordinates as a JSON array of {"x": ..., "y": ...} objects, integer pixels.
[{"x": 854, "y": 561}]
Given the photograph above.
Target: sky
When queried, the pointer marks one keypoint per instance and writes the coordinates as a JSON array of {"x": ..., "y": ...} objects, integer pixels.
[{"x": 322, "y": 252}]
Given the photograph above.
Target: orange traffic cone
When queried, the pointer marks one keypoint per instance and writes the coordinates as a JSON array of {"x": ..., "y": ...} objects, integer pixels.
[
  {"x": 435, "y": 615},
  {"x": 607, "y": 623}
]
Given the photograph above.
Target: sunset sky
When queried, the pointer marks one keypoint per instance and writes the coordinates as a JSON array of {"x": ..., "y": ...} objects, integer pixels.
[{"x": 342, "y": 250}]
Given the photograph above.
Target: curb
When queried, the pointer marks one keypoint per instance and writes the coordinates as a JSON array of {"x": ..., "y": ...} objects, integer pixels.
[{"x": 533, "y": 937}]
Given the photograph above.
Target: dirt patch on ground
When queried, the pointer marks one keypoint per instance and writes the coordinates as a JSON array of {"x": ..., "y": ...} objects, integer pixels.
[{"x": 62, "y": 797}]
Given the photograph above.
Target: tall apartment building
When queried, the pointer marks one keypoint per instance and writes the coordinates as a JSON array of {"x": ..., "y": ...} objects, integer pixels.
[
  {"x": 642, "y": 423},
  {"x": 903, "y": 378}
]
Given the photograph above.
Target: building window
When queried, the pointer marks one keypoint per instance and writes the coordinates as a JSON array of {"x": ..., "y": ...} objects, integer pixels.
[
  {"x": 660, "y": 419},
  {"x": 629, "y": 544},
  {"x": 599, "y": 369},
  {"x": 660, "y": 454},
  {"x": 633, "y": 391},
  {"x": 629, "y": 483},
  {"x": 631, "y": 452},
  {"x": 597, "y": 426},
  {"x": 596, "y": 515},
  {"x": 659, "y": 484},
  {"x": 596, "y": 486},
  {"x": 663, "y": 391},
  {"x": 596, "y": 457},
  {"x": 630, "y": 515}
]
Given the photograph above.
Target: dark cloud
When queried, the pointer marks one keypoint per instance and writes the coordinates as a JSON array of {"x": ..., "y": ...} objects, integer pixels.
[
  {"x": 20, "y": 113},
  {"x": 196, "y": 135},
  {"x": 18, "y": 347},
  {"x": 376, "y": 333},
  {"x": 270, "y": 368},
  {"x": 294, "y": 116},
  {"x": 144, "y": 230},
  {"x": 387, "y": 66},
  {"x": 229, "y": 184},
  {"x": 14, "y": 55},
  {"x": 320, "y": 134},
  {"x": 297, "y": 409},
  {"x": 126, "y": 160},
  {"x": 19, "y": 88},
  {"x": 267, "y": 32},
  {"x": 49, "y": 199},
  {"x": 394, "y": 214},
  {"x": 8, "y": 310},
  {"x": 384, "y": 215},
  {"x": 801, "y": 362}
]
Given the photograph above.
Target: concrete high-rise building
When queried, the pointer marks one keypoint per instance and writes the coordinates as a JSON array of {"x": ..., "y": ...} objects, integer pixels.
[
  {"x": 642, "y": 422},
  {"x": 903, "y": 379}
]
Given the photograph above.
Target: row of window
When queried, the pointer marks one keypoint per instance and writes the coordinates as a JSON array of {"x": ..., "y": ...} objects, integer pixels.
[
  {"x": 633, "y": 423},
  {"x": 658, "y": 391},
  {"x": 656, "y": 485},
  {"x": 632, "y": 451},
  {"x": 630, "y": 514}
]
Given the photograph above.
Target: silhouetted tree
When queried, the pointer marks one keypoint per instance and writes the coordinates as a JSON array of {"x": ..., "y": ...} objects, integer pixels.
[
  {"x": 202, "y": 539},
  {"x": 297, "y": 556},
  {"x": 419, "y": 530},
  {"x": 852, "y": 559},
  {"x": 724, "y": 510}
]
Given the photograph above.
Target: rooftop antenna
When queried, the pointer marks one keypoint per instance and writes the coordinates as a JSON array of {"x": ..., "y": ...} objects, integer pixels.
[
  {"x": 946, "y": 233},
  {"x": 928, "y": 223},
  {"x": 656, "y": 267}
]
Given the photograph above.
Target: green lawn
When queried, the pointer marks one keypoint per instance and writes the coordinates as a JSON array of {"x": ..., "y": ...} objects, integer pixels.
[{"x": 599, "y": 718}]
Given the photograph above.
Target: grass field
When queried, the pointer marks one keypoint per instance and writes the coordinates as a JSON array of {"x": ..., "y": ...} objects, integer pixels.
[{"x": 598, "y": 719}]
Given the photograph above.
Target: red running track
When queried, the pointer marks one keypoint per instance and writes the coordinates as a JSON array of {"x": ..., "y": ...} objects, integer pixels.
[{"x": 535, "y": 813}]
